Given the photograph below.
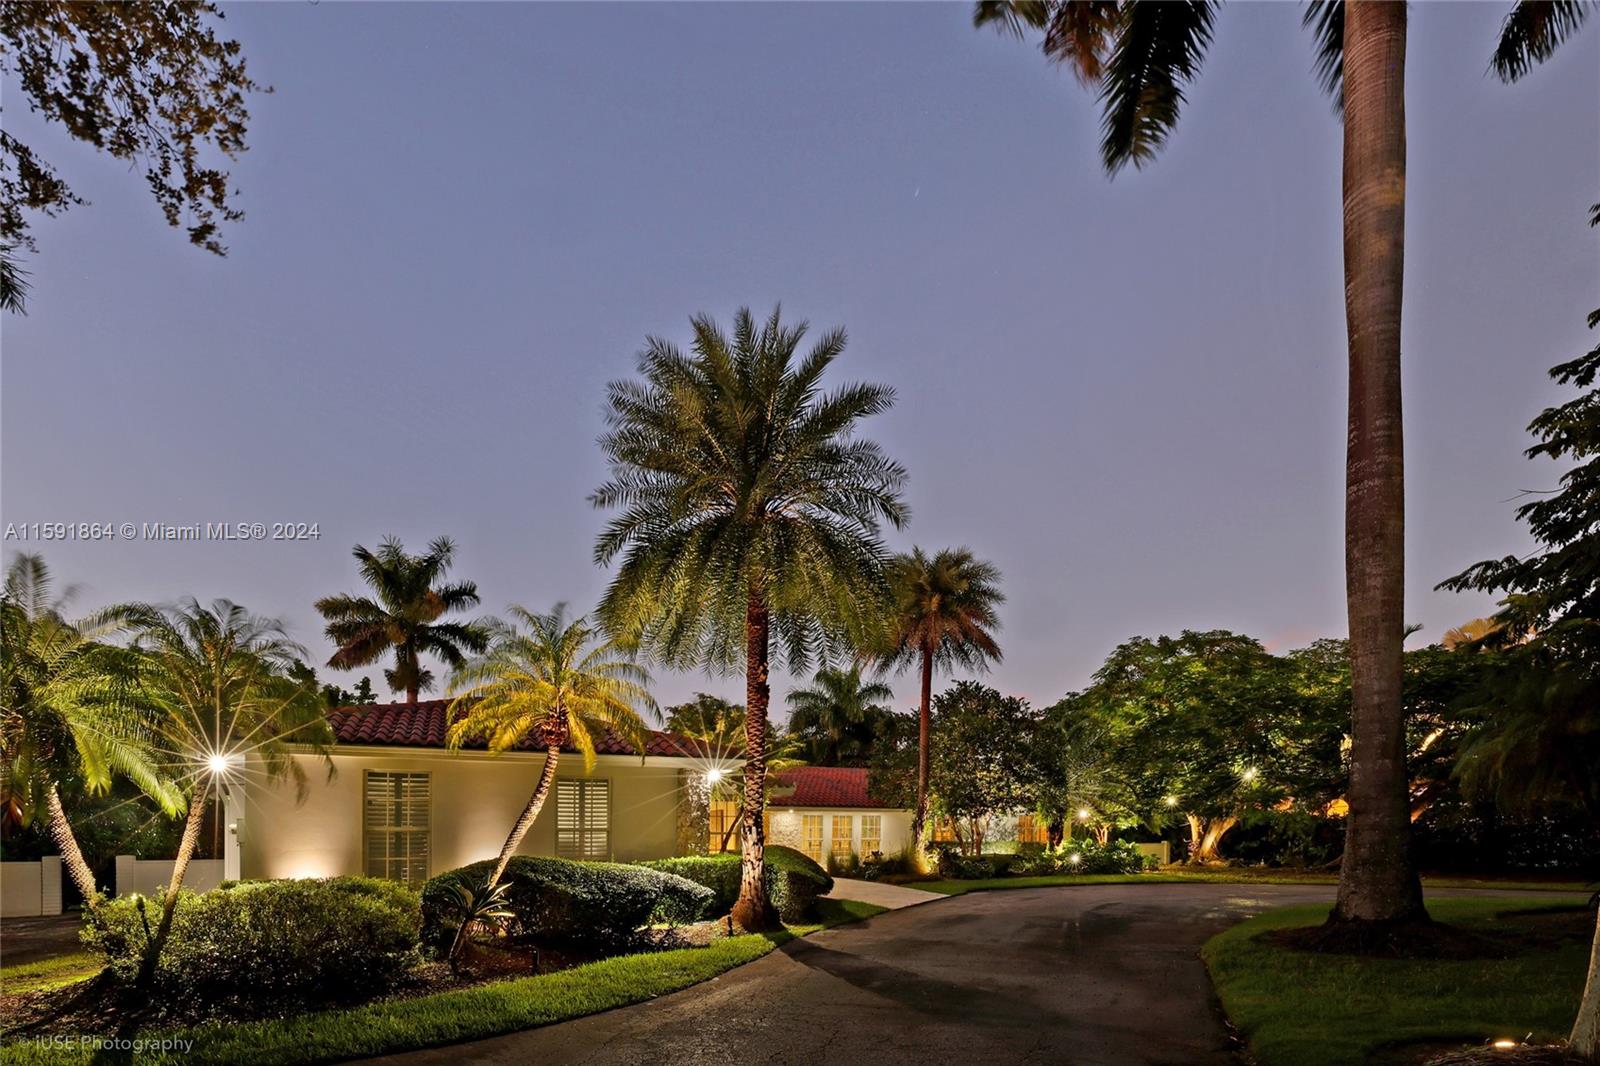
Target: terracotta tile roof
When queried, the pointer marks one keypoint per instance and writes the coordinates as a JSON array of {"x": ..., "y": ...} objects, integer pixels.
[
  {"x": 422, "y": 725},
  {"x": 824, "y": 786}
]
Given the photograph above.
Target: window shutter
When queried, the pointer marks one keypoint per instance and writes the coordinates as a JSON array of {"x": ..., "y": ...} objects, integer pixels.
[{"x": 396, "y": 825}]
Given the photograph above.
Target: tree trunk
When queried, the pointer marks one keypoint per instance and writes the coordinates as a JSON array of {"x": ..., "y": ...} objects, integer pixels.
[
  {"x": 1054, "y": 833},
  {"x": 67, "y": 844},
  {"x": 1102, "y": 834},
  {"x": 1585, "y": 1037},
  {"x": 519, "y": 831},
  {"x": 924, "y": 736},
  {"x": 753, "y": 910},
  {"x": 169, "y": 902},
  {"x": 1377, "y": 880},
  {"x": 1205, "y": 837}
]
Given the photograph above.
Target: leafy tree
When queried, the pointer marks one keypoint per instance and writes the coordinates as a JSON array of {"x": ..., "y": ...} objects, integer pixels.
[
  {"x": 1140, "y": 56},
  {"x": 1543, "y": 738},
  {"x": 710, "y": 719},
  {"x": 151, "y": 85},
  {"x": 1068, "y": 773},
  {"x": 555, "y": 682},
  {"x": 749, "y": 524},
  {"x": 221, "y": 684},
  {"x": 946, "y": 612},
  {"x": 68, "y": 713},
  {"x": 839, "y": 717},
  {"x": 405, "y": 617}
]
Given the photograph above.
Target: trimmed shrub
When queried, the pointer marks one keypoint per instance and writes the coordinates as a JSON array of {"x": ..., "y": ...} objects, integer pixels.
[
  {"x": 794, "y": 882},
  {"x": 269, "y": 942},
  {"x": 1115, "y": 857},
  {"x": 560, "y": 900}
]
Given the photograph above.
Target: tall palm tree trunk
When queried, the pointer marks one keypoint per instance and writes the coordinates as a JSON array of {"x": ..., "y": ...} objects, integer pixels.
[
  {"x": 169, "y": 902},
  {"x": 753, "y": 910},
  {"x": 1377, "y": 880},
  {"x": 66, "y": 843},
  {"x": 924, "y": 738},
  {"x": 1585, "y": 1037}
]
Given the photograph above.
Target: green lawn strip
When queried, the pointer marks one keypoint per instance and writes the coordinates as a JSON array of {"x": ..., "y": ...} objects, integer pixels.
[
  {"x": 464, "y": 1014},
  {"x": 1302, "y": 1009},
  {"x": 48, "y": 973},
  {"x": 956, "y": 888}
]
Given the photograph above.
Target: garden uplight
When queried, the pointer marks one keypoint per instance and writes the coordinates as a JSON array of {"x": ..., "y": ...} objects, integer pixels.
[
  {"x": 217, "y": 764},
  {"x": 1504, "y": 1044},
  {"x": 1171, "y": 801},
  {"x": 1075, "y": 858},
  {"x": 1249, "y": 775},
  {"x": 1083, "y": 814}
]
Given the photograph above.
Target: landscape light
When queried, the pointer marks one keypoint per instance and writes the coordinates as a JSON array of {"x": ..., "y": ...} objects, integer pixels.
[
  {"x": 1075, "y": 858},
  {"x": 713, "y": 775},
  {"x": 1171, "y": 801},
  {"x": 1504, "y": 1044},
  {"x": 1250, "y": 774},
  {"x": 1083, "y": 814}
]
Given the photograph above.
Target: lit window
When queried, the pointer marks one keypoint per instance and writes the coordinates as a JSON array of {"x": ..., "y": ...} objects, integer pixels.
[
  {"x": 583, "y": 819},
  {"x": 871, "y": 834},
  {"x": 724, "y": 814},
  {"x": 843, "y": 834},
  {"x": 811, "y": 834},
  {"x": 395, "y": 820}
]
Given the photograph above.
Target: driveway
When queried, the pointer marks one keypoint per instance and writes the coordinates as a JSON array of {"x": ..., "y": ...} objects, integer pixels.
[
  {"x": 31, "y": 939},
  {"x": 1083, "y": 975}
]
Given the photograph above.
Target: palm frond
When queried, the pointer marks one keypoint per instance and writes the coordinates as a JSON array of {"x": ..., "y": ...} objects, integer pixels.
[
  {"x": 1158, "y": 50},
  {"x": 1532, "y": 32}
]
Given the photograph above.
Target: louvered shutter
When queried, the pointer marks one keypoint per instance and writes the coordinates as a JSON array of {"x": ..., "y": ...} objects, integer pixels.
[{"x": 396, "y": 824}]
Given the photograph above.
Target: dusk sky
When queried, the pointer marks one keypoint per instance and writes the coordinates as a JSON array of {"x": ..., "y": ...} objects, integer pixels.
[{"x": 463, "y": 220}]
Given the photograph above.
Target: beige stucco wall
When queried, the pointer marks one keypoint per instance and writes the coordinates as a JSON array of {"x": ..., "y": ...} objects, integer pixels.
[
  {"x": 475, "y": 799},
  {"x": 784, "y": 827}
]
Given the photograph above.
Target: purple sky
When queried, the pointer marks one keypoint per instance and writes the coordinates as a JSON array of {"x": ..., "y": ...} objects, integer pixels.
[{"x": 462, "y": 221}]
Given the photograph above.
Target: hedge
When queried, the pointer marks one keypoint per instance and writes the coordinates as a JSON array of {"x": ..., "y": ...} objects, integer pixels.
[{"x": 794, "y": 882}]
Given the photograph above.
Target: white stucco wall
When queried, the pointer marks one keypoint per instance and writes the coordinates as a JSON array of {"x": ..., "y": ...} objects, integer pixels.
[
  {"x": 475, "y": 799},
  {"x": 785, "y": 827}
]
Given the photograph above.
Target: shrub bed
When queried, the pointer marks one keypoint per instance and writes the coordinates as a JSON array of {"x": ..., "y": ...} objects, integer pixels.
[
  {"x": 269, "y": 942},
  {"x": 794, "y": 882},
  {"x": 559, "y": 900},
  {"x": 1080, "y": 857}
]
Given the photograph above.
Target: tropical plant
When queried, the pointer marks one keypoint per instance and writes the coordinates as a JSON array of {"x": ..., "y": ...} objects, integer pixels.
[
  {"x": 946, "y": 612},
  {"x": 1140, "y": 55},
  {"x": 68, "y": 711},
  {"x": 839, "y": 717},
  {"x": 405, "y": 617},
  {"x": 478, "y": 906},
  {"x": 554, "y": 681},
  {"x": 749, "y": 524},
  {"x": 220, "y": 682}
]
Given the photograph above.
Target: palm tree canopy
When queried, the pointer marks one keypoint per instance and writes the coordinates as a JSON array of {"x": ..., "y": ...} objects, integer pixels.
[
  {"x": 839, "y": 717},
  {"x": 68, "y": 708},
  {"x": 737, "y": 476},
  {"x": 221, "y": 682},
  {"x": 553, "y": 679},
  {"x": 946, "y": 604},
  {"x": 405, "y": 616}
]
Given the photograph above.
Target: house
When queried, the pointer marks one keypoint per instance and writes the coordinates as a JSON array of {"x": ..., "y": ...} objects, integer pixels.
[
  {"x": 401, "y": 805},
  {"x": 828, "y": 812}
]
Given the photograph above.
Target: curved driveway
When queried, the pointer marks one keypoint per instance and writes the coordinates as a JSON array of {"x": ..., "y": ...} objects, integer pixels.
[{"x": 1086, "y": 974}]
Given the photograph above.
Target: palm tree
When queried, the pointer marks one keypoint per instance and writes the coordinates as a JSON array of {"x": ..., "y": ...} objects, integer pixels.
[
  {"x": 405, "y": 617},
  {"x": 556, "y": 682},
  {"x": 1140, "y": 55},
  {"x": 219, "y": 680},
  {"x": 68, "y": 710},
  {"x": 945, "y": 616},
  {"x": 749, "y": 522},
  {"x": 839, "y": 716}
]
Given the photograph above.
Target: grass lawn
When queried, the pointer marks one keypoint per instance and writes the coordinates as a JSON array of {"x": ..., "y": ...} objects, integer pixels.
[
  {"x": 1226, "y": 877},
  {"x": 462, "y": 1014},
  {"x": 1303, "y": 1009},
  {"x": 48, "y": 973}
]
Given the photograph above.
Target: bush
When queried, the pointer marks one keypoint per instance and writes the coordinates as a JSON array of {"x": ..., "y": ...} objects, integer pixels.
[
  {"x": 1083, "y": 857},
  {"x": 794, "y": 882},
  {"x": 269, "y": 942},
  {"x": 560, "y": 900},
  {"x": 949, "y": 863}
]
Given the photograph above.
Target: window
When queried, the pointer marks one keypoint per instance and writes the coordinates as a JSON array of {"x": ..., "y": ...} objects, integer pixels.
[
  {"x": 871, "y": 834},
  {"x": 843, "y": 832},
  {"x": 724, "y": 813},
  {"x": 944, "y": 831},
  {"x": 811, "y": 835},
  {"x": 395, "y": 821},
  {"x": 583, "y": 819}
]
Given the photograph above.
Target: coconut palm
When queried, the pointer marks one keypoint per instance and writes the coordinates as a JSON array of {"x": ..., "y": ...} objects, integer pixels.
[
  {"x": 555, "y": 682},
  {"x": 405, "y": 617},
  {"x": 749, "y": 524},
  {"x": 945, "y": 616},
  {"x": 839, "y": 716},
  {"x": 1140, "y": 56},
  {"x": 219, "y": 681},
  {"x": 68, "y": 710}
]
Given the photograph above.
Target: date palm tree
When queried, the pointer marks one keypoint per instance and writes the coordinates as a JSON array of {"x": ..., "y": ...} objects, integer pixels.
[
  {"x": 405, "y": 617},
  {"x": 221, "y": 684},
  {"x": 839, "y": 716},
  {"x": 555, "y": 682},
  {"x": 68, "y": 710},
  {"x": 749, "y": 524},
  {"x": 1140, "y": 55},
  {"x": 946, "y": 612}
]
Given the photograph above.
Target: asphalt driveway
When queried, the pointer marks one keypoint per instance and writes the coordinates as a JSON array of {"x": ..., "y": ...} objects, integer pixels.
[{"x": 1092, "y": 974}]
